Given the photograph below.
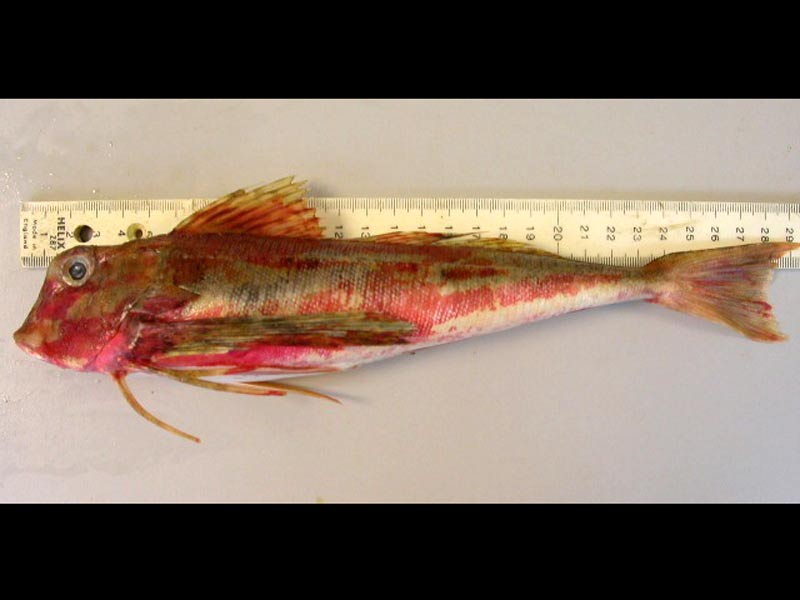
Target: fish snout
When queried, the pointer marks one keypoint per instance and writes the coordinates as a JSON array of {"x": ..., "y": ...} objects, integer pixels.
[{"x": 30, "y": 338}]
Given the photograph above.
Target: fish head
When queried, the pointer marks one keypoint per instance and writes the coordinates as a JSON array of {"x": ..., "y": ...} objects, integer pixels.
[{"x": 86, "y": 294}]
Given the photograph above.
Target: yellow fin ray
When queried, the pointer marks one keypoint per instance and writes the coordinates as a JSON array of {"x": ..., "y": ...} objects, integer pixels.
[
  {"x": 126, "y": 391},
  {"x": 255, "y": 388}
]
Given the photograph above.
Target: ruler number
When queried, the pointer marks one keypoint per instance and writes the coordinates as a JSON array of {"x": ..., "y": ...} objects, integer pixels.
[
  {"x": 611, "y": 233},
  {"x": 689, "y": 233},
  {"x": 662, "y": 233},
  {"x": 790, "y": 234},
  {"x": 714, "y": 233},
  {"x": 637, "y": 234},
  {"x": 765, "y": 234},
  {"x": 530, "y": 236},
  {"x": 740, "y": 230},
  {"x": 584, "y": 232},
  {"x": 558, "y": 233}
]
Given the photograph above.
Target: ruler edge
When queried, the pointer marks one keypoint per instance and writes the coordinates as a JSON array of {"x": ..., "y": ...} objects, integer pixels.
[{"x": 611, "y": 202}]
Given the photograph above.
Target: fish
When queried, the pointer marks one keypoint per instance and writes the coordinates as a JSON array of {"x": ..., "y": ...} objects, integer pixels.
[{"x": 248, "y": 290}]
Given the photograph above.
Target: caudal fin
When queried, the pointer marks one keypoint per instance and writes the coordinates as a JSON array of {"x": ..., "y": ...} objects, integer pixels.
[{"x": 726, "y": 285}]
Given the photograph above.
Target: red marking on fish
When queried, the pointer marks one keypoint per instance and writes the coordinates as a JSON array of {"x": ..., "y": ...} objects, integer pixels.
[
  {"x": 467, "y": 273},
  {"x": 407, "y": 267}
]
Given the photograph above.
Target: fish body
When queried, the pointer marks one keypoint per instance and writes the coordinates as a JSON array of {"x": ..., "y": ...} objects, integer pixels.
[
  {"x": 399, "y": 297},
  {"x": 249, "y": 286}
]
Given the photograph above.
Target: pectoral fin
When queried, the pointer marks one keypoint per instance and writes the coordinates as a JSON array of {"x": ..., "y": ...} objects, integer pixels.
[{"x": 221, "y": 335}]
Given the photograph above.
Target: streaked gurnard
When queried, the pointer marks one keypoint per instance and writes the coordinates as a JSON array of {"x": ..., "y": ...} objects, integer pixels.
[{"x": 249, "y": 285}]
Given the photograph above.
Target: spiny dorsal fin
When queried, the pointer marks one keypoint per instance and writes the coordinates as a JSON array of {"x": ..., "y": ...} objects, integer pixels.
[{"x": 276, "y": 209}]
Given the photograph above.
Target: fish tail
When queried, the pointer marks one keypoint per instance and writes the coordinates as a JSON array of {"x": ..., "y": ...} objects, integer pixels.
[{"x": 726, "y": 285}]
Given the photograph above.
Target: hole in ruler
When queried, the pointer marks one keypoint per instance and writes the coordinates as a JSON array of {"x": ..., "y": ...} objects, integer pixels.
[
  {"x": 84, "y": 233},
  {"x": 135, "y": 231}
]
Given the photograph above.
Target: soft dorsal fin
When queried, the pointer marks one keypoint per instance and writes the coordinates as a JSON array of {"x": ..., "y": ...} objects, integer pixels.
[
  {"x": 498, "y": 244},
  {"x": 419, "y": 238},
  {"x": 413, "y": 238},
  {"x": 276, "y": 209}
]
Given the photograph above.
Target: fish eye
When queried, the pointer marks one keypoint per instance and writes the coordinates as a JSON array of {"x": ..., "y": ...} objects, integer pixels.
[{"x": 76, "y": 271}]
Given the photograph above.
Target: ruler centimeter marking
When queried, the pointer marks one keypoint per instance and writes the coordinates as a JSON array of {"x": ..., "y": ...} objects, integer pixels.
[{"x": 618, "y": 232}]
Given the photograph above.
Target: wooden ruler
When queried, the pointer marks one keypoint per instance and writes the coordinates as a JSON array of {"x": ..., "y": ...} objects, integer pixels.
[{"x": 619, "y": 232}]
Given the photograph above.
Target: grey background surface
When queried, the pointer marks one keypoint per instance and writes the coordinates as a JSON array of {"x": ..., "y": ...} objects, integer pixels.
[{"x": 623, "y": 403}]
